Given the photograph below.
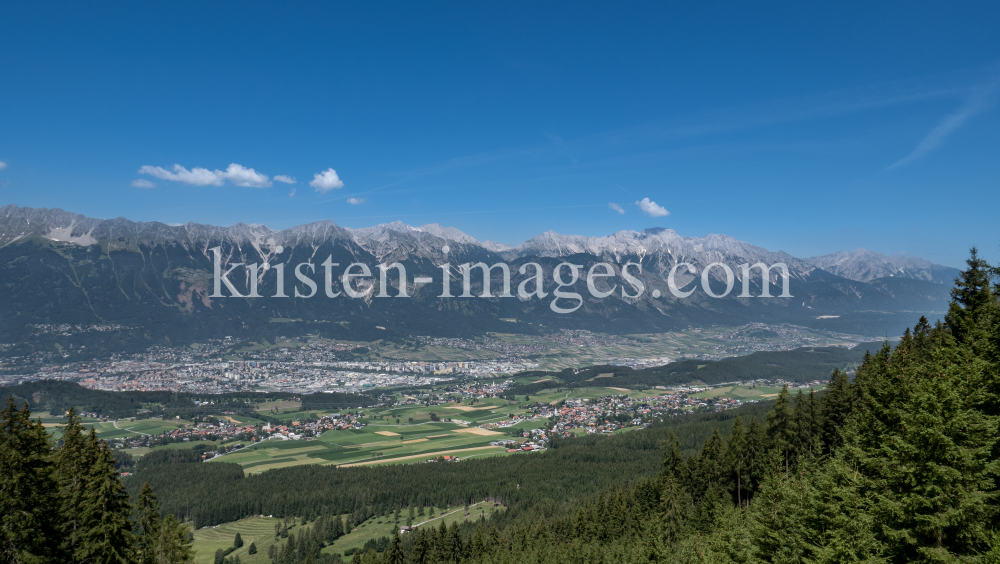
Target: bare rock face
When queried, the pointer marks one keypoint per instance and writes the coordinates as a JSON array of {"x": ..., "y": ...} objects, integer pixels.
[
  {"x": 61, "y": 267},
  {"x": 863, "y": 265}
]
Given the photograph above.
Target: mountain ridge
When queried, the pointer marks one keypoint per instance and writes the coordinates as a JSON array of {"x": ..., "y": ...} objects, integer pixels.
[
  {"x": 158, "y": 282},
  {"x": 396, "y": 240}
]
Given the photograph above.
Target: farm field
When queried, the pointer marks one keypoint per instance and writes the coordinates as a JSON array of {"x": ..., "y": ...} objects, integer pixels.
[
  {"x": 559, "y": 354},
  {"x": 126, "y": 427},
  {"x": 114, "y": 429},
  {"x": 748, "y": 392},
  {"x": 590, "y": 392},
  {"x": 372, "y": 443},
  {"x": 282, "y": 405}
]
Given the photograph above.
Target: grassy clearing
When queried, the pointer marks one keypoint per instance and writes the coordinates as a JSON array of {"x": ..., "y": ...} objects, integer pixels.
[
  {"x": 279, "y": 405},
  {"x": 258, "y": 530},
  {"x": 385, "y": 526},
  {"x": 747, "y": 392},
  {"x": 131, "y": 428}
]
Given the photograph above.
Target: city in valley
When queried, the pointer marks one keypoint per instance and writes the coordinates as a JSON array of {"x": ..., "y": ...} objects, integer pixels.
[{"x": 310, "y": 364}]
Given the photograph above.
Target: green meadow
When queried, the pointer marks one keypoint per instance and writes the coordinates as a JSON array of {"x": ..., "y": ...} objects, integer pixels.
[
  {"x": 744, "y": 392},
  {"x": 260, "y": 531},
  {"x": 370, "y": 444}
]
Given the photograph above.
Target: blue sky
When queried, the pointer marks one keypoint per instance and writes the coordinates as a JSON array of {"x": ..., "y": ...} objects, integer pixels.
[{"x": 790, "y": 125}]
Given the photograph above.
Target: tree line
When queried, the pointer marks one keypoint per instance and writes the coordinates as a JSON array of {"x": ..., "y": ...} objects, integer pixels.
[
  {"x": 57, "y": 396},
  {"x": 65, "y": 503}
]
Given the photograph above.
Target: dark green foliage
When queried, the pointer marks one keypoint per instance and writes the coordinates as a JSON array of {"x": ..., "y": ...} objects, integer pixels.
[
  {"x": 68, "y": 505},
  {"x": 800, "y": 365},
  {"x": 29, "y": 513},
  {"x": 57, "y": 397}
]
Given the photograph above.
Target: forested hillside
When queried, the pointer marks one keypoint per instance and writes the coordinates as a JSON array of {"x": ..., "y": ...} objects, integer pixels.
[
  {"x": 800, "y": 365},
  {"x": 57, "y": 397}
]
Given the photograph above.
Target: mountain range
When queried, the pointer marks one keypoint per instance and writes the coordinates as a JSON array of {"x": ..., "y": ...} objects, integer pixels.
[{"x": 157, "y": 279}]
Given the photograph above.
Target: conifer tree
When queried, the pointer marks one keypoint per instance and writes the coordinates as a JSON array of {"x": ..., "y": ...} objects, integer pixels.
[
  {"x": 781, "y": 426},
  {"x": 456, "y": 547},
  {"x": 927, "y": 450},
  {"x": 73, "y": 460},
  {"x": 174, "y": 544},
  {"x": 395, "y": 555},
  {"x": 756, "y": 447},
  {"x": 147, "y": 525},
  {"x": 421, "y": 548},
  {"x": 971, "y": 296},
  {"x": 105, "y": 534},
  {"x": 28, "y": 508},
  {"x": 736, "y": 457},
  {"x": 674, "y": 508}
]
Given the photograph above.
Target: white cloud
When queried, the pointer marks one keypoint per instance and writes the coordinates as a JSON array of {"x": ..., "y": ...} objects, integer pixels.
[
  {"x": 142, "y": 183},
  {"x": 355, "y": 201},
  {"x": 292, "y": 193},
  {"x": 3, "y": 165},
  {"x": 979, "y": 102},
  {"x": 284, "y": 178},
  {"x": 651, "y": 208},
  {"x": 242, "y": 176},
  {"x": 327, "y": 180},
  {"x": 196, "y": 176},
  {"x": 237, "y": 174},
  {"x": 616, "y": 207},
  {"x": 175, "y": 224}
]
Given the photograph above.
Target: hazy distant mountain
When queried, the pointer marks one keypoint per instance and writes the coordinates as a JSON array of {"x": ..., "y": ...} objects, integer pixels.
[
  {"x": 659, "y": 250},
  {"x": 156, "y": 280},
  {"x": 863, "y": 265}
]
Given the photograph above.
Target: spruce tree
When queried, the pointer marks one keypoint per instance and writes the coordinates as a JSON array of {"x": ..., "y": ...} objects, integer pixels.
[
  {"x": 926, "y": 449},
  {"x": 73, "y": 460},
  {"x": 28, "y": 506},
  {"x": 105, "y": 534},
  {"x": 736, "y": 457},
  {"x": 395, "y": 555},
  {"x": 674, "y": 504},
  {"x": 147, "y": 525},
  {"x": 756, "y": 449},
  {"x": 781, "y": 426},
  {"x": 174, "y": 544},
  {"x": 971, "y": 296}
]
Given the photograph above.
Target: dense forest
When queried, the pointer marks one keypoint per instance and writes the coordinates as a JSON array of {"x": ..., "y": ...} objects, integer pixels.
[
  {"x": 66, "y": 504},
  {"x": 57, "y": 397},
  {"x": 799, "y": 365}
]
